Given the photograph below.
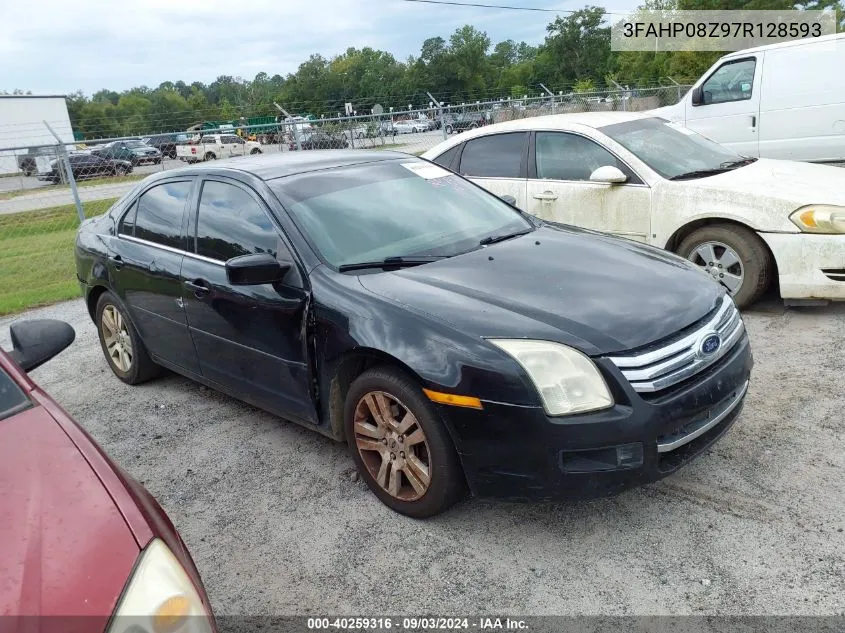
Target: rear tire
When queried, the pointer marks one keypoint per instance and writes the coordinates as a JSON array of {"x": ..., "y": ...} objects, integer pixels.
[
  {"x": 421, "y": 456},
  {"x": 448, "y": 129},
  {"x": 754, "y": 261},
  {"x": 209, "y": 156},
  {"x": 120, "y": 342}
]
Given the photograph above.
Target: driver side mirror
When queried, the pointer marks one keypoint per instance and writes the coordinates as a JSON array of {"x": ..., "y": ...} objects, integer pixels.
[
  {"x": 608, "y": 174},
  {"x": 509, "y": 199},
  {"x": 255, "y": 270},
  {"x": 697, "y": 96},
  {"x": 37, "y": 341}
]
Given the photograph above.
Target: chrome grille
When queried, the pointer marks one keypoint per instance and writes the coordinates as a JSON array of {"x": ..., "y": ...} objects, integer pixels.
[{"x": 661, "y": 368}]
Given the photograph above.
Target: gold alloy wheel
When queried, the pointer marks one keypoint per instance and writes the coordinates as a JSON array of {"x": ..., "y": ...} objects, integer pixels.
[
  {"x": 116, "y": 337},
  {"x": 392, "y": 445}
]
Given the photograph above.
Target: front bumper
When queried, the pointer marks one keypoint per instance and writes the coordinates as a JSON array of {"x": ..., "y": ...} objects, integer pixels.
[
  {"x": 140, "y": 159},
  {"x": 808, "y": 265},
  {"x": 519, "y": 453}
]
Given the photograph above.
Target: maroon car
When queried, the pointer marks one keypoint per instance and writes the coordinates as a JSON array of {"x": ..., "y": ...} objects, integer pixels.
[{"x": 80, "y": 540}]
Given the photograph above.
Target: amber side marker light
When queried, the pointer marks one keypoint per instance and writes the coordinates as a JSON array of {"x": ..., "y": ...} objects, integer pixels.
[{"x": 452, "y": 399}]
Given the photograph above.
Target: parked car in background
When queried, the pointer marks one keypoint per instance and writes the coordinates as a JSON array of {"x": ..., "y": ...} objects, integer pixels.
[
  {"x": 745, "y": 221},
  {"x": 467, "y": 121},
  {"x": 86, "y": 549},
  {"x": 87, "y": 166},
  {"x": 166, "y": 143},
  {"x": 36, "y": 160},
  {"x": 411, "y": 126},
  {"x": 135, "y": 151},
  {"x": 214, "y": 146},
  {"x": 774, "y": 101},
  {"x": 446, "y": 336},
  {"x": 320, "y": 140}
]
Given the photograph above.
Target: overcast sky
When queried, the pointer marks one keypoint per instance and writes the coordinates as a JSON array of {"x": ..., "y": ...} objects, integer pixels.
[{"x": 59, "y": 46}]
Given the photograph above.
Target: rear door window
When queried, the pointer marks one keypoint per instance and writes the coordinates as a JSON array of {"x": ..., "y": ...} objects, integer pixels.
[
  {"x": 494, "y": 156},
  {"x": 160, "y": 212},
  {"x": 445, "y": 159}
]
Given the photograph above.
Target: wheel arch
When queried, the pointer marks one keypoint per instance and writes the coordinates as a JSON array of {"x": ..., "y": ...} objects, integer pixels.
[
  {"x": 674, "y": 241},
  {"x": 346, "y": 369}
]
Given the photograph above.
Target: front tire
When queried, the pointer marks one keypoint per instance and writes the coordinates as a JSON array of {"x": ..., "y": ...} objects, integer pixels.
[
  {"x": 255, "y": 151},
  {"x": 448, "y": 129},
  {"x": 125, "y": 352},
  {"x": 400, "y": 446},
  {"x": 734, "y": 256}
]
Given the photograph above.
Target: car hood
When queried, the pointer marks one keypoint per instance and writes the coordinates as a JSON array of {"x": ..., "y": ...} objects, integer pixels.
[
  {"x": 594, "y": 292},
  {"x": 792, "y": 182},
  {"x": 66, "y": 548}
]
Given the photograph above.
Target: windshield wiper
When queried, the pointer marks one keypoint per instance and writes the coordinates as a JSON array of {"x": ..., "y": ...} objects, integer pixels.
[
  {"x": 391, "y": 262},
  {"x": 700, "y": 173},
  {"x": 492, "y": 239},
  {"x": 742, "y": 162},
  {"x": 728, "y": 165}
]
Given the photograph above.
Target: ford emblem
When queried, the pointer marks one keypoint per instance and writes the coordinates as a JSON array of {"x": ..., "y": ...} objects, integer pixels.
[{"x": 709, "y": 345}]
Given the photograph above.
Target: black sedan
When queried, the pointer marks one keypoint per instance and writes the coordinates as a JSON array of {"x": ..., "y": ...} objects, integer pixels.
[
  {"x": 88, "y": 166},
  {"x": 448, "y": 338},
  {"x": 321, "y": 140}
]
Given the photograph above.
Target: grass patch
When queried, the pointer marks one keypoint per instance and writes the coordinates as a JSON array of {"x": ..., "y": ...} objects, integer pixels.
[
  {"x": 107, "y": 180},
  {"x": 36, "y": 255}
]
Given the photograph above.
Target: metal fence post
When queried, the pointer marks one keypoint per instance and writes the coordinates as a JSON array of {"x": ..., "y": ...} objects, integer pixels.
[
  {"x": 440, "y": 113},
  {"x": 64, "y": 161}
]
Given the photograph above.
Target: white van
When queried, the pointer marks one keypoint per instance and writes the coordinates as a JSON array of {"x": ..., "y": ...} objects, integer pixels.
[{"x": 778, "y": 101}]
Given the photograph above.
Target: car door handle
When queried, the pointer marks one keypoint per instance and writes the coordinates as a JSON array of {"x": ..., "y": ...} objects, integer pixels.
[
  {"x": 199, "y": 287},
  {"x": 753, "y": 121},
  {"x": 546, "y": 195},
  {"x": 117, "y": 261}
]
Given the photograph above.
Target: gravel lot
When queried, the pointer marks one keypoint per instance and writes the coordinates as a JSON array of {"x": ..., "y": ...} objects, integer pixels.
[{"x": 277, "y": 525}]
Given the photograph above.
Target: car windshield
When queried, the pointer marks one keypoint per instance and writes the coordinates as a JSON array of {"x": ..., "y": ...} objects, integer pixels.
[
  {"x": 670, "y": 149},
  {"x": 396, "y": 208},
  {"x": 12, "y": 398}
]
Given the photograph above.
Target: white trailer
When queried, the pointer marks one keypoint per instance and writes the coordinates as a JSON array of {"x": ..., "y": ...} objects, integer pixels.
[{"x": 22, "y": 125}]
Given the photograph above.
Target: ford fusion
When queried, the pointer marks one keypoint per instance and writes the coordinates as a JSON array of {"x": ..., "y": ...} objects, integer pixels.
[{"x": 451, "y": 340}]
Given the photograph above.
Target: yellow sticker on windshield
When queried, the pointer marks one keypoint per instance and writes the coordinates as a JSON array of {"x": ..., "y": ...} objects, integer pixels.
[{"x": 425, "y": 170}]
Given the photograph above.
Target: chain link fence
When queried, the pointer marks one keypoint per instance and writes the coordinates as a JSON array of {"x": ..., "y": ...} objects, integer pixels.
[{"x": 46, "y": 189}]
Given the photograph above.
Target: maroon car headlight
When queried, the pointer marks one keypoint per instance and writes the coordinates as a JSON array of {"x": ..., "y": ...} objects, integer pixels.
[{"x": 160, "y": 597}]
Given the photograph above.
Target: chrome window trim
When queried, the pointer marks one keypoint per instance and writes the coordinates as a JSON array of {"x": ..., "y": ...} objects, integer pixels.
[
  {"x": 669, "y": 365},
  {"x": 170, "y": 249},
  {"x": 665, "y": 447}
]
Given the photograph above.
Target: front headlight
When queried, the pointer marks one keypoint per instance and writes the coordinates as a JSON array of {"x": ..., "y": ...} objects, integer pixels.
[
  {"x": 160, "y": 598},
  {"x": 820, "y": 218},
  {"x": 567, "y": 380}
]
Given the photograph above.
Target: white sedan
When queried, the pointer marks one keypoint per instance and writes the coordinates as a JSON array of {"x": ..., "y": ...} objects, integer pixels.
[
  {"x": 410, "y": 127},
  {"x": 745, "y": 221}
]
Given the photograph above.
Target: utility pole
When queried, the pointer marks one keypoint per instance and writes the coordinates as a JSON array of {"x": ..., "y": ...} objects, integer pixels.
[
  {"x": 440, "y": 113},
  {"x": 292, "y": 124}
]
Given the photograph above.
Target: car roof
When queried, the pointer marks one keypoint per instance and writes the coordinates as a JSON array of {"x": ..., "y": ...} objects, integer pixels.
[
  {"x": 561, "y": 122},
  {"x": 272, "y": 166}
]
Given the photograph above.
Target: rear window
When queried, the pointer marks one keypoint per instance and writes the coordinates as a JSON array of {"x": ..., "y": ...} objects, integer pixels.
[{"x": 12, "y": 397}]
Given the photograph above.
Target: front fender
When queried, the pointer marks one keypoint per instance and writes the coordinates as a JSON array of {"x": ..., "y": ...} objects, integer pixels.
[{"x": 350, "y": 320}]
